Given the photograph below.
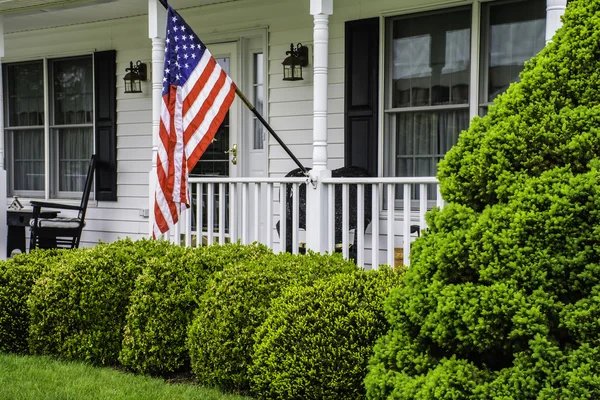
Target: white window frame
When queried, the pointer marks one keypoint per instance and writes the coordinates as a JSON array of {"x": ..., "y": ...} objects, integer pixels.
[
  {"x": 50, "y": 151},
  {"x": 475, "y": 91}
]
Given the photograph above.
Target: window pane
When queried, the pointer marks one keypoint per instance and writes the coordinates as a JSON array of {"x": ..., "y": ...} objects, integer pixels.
[
  {"x": 514, "y": 37},
  {"x": 258, "y": 133},
  {"x": 73, "y": 91},
  {"x": 431, "y": 59},
  {"x": 28, "y": 159},
  {"x": 74, "y": 152},
  {"x": 422, "y": 138},
  {"x": 25, "y": 94}
]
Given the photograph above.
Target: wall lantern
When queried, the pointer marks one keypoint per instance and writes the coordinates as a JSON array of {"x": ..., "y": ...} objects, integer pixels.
[
  {"x": 134, "y": 77},
  {"x": 292, "y": 65}
]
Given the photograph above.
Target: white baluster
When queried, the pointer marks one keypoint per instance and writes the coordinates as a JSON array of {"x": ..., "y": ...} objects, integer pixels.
[
  {"x": 345, "y": 220},
  {"x": 360, "y": 225},
  {"x": 188, "y": 227},
  {"x": 233, "y": 223},
  {"x": 331, "y": 218},
  {"x": 422, "y": 204},
  {"x": 391, "y": 209},
  {"x": 439, "y": 200},
  {"x": 257, "y": 190},
  {"x": 210, "y": 204},
  {"x": 221, "y": 213},
  {"x": 269, "y": 216},
  {"x": 295, "y": 217},
  {"x": 282, "y": 221},
  {"x": 245, "y": 217},
  {"x": 406, "y": 216},
  {"x": 199, "y": 210},
  {"x": 375, "y": 227}
]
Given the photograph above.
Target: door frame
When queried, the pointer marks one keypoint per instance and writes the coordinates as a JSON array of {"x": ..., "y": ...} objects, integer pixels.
[{"x": 243, "y": 39}]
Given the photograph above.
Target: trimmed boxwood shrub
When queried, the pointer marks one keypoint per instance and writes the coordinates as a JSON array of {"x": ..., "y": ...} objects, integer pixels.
[
  {"x": 502, "y": 300},
  {"x": 317, "y": 339},
  {"x": 163, "y": 301},
  {"x": 235, "y": 303},
  {"x": 17, "y": 277},
  {"x": 78, "y": 307}
]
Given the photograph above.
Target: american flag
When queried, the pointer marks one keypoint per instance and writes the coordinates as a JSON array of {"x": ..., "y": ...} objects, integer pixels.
[{"x": 196, "y": 96}]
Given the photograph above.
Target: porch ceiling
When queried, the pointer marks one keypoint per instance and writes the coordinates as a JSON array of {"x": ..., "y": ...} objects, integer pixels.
[{"x": 24, "y": 15}]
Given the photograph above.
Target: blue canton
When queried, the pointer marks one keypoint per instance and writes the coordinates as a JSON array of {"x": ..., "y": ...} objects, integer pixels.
[{"x": 183, "y": 51}]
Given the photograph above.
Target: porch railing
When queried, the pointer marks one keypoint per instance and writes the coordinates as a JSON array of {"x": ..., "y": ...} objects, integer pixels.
[{"x": 360, "y": 224}]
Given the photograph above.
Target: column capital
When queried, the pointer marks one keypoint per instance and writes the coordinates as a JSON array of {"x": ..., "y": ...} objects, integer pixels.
[
  {"x": 157, "y": 19},
  {"x": 321, "y": 7}
]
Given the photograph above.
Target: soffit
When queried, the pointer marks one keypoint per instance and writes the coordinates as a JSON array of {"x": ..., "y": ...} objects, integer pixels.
[{"x": 25, "y": 15}]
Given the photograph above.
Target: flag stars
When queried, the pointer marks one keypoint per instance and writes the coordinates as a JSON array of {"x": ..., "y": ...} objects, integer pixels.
[
  {"x": 174, "y": 19},
  {"x": 194, "y": 55},
  {"x": 185, "y": 56},
  {"x": 183, "y": 37},
  {"x": 176, "y": 38},
  {"x": 187, "y": 65},
  {"x": 183, "y": 27},
  {"x": 184, "y": 47},
  {"x": 176, "y": 48},
  {"x": 167, "y": 71},
  {"x": 175, "y": 28}
]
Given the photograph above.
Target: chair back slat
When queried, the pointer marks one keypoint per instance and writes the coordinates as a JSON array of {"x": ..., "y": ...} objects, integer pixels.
[{"x": 87, "y": 187}]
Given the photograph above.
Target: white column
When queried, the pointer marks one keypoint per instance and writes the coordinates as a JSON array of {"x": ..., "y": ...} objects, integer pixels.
[
  {"x": 3, "y": 185},
  {"x": 316, "y": 197},
  {"x": 554, "y": 11},
  {"x": 157, "y": 24}
]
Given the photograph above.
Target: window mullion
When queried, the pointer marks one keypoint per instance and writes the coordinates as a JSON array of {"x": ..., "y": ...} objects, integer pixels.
[
  {"x": 46, "y": 130},
  {"x": 475, "y": 57}
]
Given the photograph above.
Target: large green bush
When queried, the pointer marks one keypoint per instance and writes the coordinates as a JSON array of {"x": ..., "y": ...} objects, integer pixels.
[
  {"x": 235, "y": 304},
  {"x": 317, "y": 339},
  {"x": 502, "y": 297},
  {"x": 78, "y": 307},
  {"x": 17, "y": 277},
  {"x": 163, "y": 302}
]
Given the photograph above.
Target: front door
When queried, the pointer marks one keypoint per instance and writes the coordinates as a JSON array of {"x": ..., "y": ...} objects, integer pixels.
[{"x": 222, "y": 157}]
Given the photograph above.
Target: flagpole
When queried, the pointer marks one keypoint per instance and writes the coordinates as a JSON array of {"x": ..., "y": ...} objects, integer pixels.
[
  {"x": 271, "y": 131},
  {"x": 251, "y": 107}
]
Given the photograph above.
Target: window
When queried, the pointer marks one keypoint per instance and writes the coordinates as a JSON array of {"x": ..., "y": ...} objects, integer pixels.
[
  {"x": 508, "y": 39},
  {"x": 257, "y": 89},
  {"x": 52, "y": 154},
  {"x": 428, "y": 76},
  {"x": 428, "y": 104}
]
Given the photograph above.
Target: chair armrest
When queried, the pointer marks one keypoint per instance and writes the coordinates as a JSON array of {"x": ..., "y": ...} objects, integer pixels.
[{"x": 40, "y": 204}]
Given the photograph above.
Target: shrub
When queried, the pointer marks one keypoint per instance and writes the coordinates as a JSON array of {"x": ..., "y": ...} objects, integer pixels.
[
  {"x": 235, "y": 303},
  {"x": 502, "y": 297},
  {"x": 316, "y": 340},
  {"x": 515, "y": 299},
  {"x": 163, "y": 301},
  {"x": 78, "y": 308},
  {"x": 17, "y": 277}
]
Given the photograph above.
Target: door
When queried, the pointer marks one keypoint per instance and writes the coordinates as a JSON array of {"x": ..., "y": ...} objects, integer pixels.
[{"x": 221, "y": 158}]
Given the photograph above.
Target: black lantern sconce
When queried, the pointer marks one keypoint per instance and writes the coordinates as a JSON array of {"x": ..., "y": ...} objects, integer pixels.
[
  {"x": 292, "y": 65},
  {"x": 134, "y": 77}
]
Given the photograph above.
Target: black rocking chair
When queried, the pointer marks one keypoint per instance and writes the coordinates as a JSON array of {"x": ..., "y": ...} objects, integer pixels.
[{"x": 61, "y": 232}]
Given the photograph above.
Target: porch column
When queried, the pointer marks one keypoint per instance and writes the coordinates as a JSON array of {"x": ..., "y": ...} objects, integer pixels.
[
  {"x": 554, "y": 10},
  {"x": 316, "y": 197},
  {"x": 3, "y": 185},
  {"x": 157, "y": 26}
]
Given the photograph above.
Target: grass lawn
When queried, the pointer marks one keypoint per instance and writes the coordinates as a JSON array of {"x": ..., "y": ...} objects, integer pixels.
[{"x": 24, "y": 378}]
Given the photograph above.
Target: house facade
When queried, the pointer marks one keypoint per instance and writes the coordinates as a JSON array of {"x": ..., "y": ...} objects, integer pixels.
[{"x": 388, "y": 87}]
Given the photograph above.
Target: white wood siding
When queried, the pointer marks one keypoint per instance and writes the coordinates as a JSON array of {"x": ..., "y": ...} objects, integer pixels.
[{"x": 290, "y": 103}]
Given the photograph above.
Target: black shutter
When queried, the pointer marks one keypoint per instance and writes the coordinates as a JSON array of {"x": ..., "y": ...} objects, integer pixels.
[
  {"x": 105, "y": 72},
  {"x": 361, "y": 94}
]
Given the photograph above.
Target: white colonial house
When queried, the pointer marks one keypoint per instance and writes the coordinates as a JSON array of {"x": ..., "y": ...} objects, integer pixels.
[{"x": 388, "y": 87}]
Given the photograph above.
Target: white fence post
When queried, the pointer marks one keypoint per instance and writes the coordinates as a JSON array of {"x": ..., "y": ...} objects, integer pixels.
[{"x": 316, "y": 196}]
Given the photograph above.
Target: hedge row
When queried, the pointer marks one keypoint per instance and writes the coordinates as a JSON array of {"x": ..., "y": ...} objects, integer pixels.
[{"x": 224, "y": 313}]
